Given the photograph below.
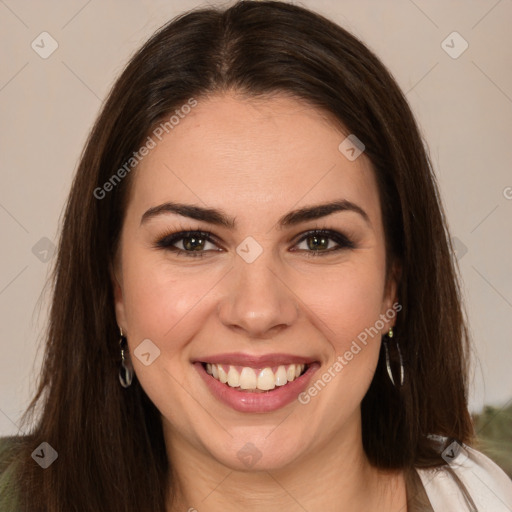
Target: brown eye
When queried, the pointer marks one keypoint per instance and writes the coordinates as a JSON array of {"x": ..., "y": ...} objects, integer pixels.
[
  {"x": 188, "y": 243},
  {"x": 319, "y": 242},
  {"x": 193, "y": 243}
]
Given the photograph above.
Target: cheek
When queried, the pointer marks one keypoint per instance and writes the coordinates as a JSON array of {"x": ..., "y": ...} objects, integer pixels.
[
  {"x": 160, "y": 300},
  {"x": 348, "y": 305},
  {"x": 167, "y": 306},
  {"x": 166, "y": 302},
  {"x": 347, "y": 302}
]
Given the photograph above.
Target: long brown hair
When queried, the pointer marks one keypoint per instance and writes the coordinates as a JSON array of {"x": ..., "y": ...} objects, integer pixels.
[{"x": 111, "y": 452}]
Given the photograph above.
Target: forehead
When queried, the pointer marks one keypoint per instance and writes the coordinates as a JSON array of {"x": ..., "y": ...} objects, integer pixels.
[{"x": 253, "y": 157}]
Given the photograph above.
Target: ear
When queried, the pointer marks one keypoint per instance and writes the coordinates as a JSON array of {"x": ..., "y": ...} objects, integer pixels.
[{"x": 116, "y": 279}]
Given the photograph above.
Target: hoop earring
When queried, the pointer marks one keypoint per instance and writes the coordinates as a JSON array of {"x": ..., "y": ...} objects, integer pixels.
[
  {"x": 388, "y": 365},
  {"x": 126, "y": 369}
]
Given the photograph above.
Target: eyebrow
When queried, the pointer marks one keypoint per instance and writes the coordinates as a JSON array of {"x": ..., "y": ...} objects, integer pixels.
[{"x": 219, "y": 218}]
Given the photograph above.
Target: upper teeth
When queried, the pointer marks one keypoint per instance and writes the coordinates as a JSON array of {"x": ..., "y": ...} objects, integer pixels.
[{"x": 248, "y": 378}]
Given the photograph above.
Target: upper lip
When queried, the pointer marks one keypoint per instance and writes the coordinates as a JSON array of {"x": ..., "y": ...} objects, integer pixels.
[{"x": 262, "y": 361}]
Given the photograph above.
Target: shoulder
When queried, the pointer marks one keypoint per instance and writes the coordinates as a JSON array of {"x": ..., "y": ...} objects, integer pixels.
[
  {"x": 8, "y": 446},
  {"x": 470, "y": 481},
  {"x": 8, "y": 442}
]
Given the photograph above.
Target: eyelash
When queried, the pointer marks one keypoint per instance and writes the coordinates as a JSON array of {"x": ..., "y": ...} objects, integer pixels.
[{"x": 166, "y": 242}]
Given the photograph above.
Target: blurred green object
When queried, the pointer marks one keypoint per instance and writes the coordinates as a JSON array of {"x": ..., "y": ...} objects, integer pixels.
[{"x": 493, "y": 427}]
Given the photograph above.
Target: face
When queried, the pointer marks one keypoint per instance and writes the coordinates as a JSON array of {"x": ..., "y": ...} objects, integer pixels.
[{"x": 264, "y": 289}]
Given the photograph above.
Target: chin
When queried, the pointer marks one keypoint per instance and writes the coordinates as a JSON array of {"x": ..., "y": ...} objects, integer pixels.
[{"x": 258, "y": 452}]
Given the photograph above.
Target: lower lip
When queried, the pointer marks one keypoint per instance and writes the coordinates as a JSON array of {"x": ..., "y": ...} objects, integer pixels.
[{"x": 267, "y": 401}]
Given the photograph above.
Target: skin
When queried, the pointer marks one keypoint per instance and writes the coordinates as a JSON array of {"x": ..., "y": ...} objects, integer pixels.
[{"x": 257, "y": 160}]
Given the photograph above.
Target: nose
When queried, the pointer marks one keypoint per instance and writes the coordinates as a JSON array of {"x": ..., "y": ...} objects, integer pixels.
[{"x": 257, "y": 301}]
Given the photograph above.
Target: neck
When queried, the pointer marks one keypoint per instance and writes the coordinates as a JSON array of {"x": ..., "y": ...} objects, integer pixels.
[{"x": 335, "y": 476}]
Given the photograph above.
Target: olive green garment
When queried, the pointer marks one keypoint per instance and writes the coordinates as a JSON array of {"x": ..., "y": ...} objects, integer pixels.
[{"x": 8, "y": 494}]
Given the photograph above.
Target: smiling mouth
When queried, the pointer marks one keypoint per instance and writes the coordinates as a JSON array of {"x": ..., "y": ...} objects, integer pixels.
[{"x": 255, "y": 380}]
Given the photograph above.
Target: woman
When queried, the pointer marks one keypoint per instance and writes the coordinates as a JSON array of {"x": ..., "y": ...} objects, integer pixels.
[{"x": 255, "y": 302}]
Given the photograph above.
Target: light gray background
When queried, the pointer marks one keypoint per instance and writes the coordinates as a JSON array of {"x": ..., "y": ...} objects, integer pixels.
[{"x": 464, "y": 107}]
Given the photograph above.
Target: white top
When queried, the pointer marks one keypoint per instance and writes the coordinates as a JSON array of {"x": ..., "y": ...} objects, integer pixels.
[{"x": 487, "y": 485}]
